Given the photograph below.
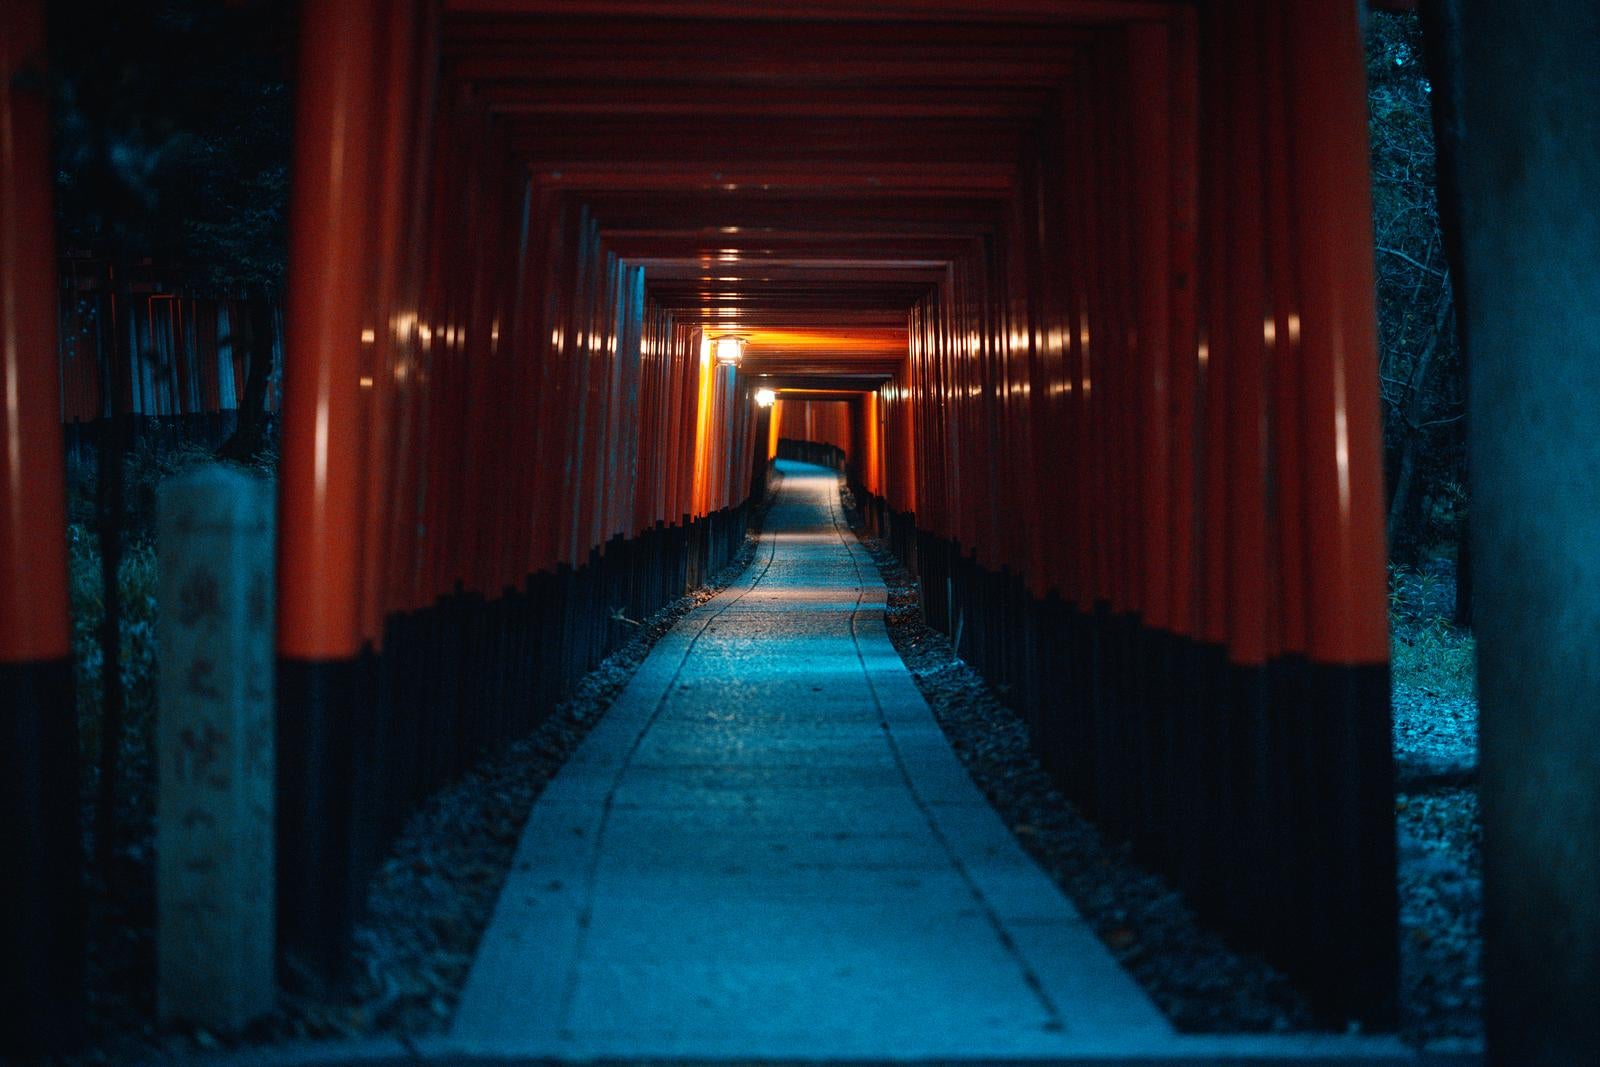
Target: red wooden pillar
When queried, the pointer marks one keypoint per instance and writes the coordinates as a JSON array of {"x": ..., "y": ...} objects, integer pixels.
[
  {"x": 1241, "y": 355},
  {"x": 1285, "y": 869},
  {"x": 388, "y": 390},
  {"x": 1288, "y": 637},
  {"x": 1149, "y": 76},
  {"x": 1203, "y": 836},
  {"x": 385, "y": 336},
  {"x": 321, "y": 488},
  {"x": 1239, "y": 358},
  {"x": 1183, "y": 409},
  {"x": 904, "y": 476},
  {"x": 1149, "y": 157},
  {"x": 1183, "y": 379},
  {"x": 1073, "y": 409},
  {"x": 1342, "y": 467},
  {"x": 41, "y": 919}
]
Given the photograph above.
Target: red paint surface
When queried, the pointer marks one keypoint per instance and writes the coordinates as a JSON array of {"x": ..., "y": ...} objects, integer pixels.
[{"x": 33, "y": 547}]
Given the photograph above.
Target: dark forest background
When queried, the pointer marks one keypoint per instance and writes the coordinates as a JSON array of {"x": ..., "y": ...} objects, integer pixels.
[{"x": 1424, "y": 403}]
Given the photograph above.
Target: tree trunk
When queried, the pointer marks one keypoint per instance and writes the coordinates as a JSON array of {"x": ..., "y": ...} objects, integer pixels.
[
  {"x": 1441, "y": 28},
  {"x": 1400, "y": 496},
  {"x": 1463, "y": 613},
  {"x": 250, "y": 433},
  {"x": 1412, "y": 411}
]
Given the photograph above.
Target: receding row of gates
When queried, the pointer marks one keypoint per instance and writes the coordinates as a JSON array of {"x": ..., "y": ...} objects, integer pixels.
[{"x": 1084, "y": 290}]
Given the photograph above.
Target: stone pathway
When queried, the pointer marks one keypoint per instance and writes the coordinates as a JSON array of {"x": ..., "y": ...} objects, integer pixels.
[{"x": 768, "y": 849}]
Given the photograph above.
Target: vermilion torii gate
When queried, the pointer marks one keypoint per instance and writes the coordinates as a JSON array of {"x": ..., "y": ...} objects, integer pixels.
[
  {"x": 1130, "y": 426},
  {"x": 1098, "y": 272},
  {"x": 1132, "y": 434}
]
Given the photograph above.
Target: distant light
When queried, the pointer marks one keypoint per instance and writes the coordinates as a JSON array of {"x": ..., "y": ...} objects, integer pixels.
[
  {"x": 765, "y": 398},
  {"x": 369, "y": 336},
  {"x": 730, "y": 350}
]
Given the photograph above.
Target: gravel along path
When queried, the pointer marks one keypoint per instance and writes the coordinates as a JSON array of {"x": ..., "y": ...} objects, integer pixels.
[
  {"x": 1435, "y": 738},
  {"x": 1201, "y": 984},
  {"x": 1441, "y": 863},
  {"x": 1441, "y": 908},
  {"x": 431, "y": 900},
  {"x": 428, "y": 902}
]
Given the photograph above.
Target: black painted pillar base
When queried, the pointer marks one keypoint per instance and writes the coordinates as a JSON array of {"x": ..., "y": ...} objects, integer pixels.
[
  {"x": 42, "y": 906},
  {"x": 1355, "y": 798},
  {"x": 319, "y": 886},
  {"x": 1265, "y": 790}
]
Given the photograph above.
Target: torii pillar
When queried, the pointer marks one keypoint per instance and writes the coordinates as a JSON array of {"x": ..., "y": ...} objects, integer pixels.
[
  {"x": 41, "y": 901},
  {"x": 1530, "y": 187}
]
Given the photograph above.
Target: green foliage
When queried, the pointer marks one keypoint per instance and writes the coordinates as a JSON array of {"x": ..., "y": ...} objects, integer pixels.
[
  {"x": 137, "y": 580},
  {"x": 146, "y": 468},
  {"x": 1427, "y": 652},
  {"x": 1435, "y": 657}
]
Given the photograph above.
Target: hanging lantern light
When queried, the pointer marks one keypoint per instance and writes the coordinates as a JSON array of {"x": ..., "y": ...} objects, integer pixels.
[
  {"x": 765, "y": 397},
  {"x": 730, "y": 350}
]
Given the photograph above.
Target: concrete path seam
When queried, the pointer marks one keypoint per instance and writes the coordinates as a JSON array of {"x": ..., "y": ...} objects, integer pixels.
[
  {"x": 1007, "y": 942},
  {"x": 597, "y": 849}
]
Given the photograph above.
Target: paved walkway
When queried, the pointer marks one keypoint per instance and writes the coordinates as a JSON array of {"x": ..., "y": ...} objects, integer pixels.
[{"x": 767, "y": 849}]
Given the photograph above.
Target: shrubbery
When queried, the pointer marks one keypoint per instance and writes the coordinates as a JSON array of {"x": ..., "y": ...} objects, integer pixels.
[
  {"x": 146, "y": 467},
  {"x": 1428, "y": 652},
  {"x": 138, "y": 583}
]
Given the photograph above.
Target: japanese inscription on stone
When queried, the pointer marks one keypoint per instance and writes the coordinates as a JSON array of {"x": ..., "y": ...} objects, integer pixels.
[{"x": 215, "y": 739}]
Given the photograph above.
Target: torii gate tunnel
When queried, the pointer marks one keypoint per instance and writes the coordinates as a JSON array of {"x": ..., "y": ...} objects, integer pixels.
[{"x": 1090, "y": 282}]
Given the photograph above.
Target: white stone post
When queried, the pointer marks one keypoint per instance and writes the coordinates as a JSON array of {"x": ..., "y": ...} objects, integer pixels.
[{"x": 214, "y": 842}]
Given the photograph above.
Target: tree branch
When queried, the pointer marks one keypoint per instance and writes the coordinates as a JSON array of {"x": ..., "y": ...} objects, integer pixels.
[{"x": 1415, "y": 263}]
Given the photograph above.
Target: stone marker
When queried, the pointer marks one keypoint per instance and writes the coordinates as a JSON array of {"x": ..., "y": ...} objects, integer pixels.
[{"x": 214, "y": 843}]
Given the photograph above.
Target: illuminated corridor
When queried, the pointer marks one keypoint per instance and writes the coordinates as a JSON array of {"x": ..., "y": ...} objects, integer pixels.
[
  {"x": 767, "y": 850},
  {"x": 1066, "y": 307}
]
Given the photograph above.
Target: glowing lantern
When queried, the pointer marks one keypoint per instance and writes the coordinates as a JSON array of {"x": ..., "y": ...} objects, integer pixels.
[
  {"x": 730, "y": 350},
  {"x": 765, "y": 397}
]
